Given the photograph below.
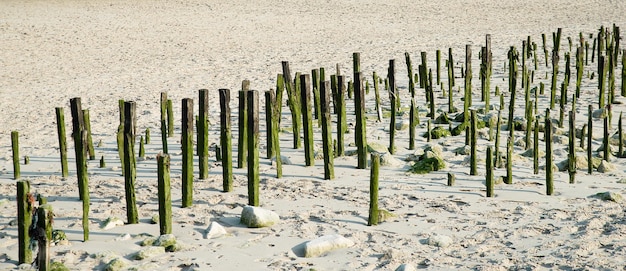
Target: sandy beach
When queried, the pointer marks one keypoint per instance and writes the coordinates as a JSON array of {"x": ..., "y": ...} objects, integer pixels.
[{"x": 104, "y": 51}]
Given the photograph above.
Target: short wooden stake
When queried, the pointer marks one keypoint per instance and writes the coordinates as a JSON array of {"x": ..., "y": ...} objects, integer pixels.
[
  {"x": 44, "y": 226},
  {"x": 16, "y": 154},
  {"x": 24, "y": 218},
  {"x": 473, "y": 142},
  {"x": 170, "y": 118},
  {"x": 242, "y": 147},
  {"x": 164, "y": 131},
  {"x": 90, "y": 149},
  {"x": 489, "y": 180},
  {"x": 451, "y": 179},
  {"x": 509, "y": 161},
  {"x": 60, "y": 117}
]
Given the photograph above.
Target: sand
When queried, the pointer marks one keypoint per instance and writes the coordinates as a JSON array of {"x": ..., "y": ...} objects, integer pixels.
[{"x": 103, "y": 51}]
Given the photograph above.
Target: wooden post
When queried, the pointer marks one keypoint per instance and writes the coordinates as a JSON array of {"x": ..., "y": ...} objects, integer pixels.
[
  {"x": 269, "y": 122},
  {"x": 16, "y": 154},
  {"x": 468, "y": 80},
  {"x": 392, "y": 97},
  {"x": 44, "y": 230},
  {"x": 572, "y": 148},
  {"x": 90, "y": 149},
  {"x": 489, "y": 180},
  {"x": 536, "y": 147},
  {"x": 509, "y": 161},
  {"x": 498, "y": 160},
  {"x": 170, "y": 118},
  {"x": 253, "y": 147},
  {"x": 79, "y": 135},
  {"x": 329, "y": 170},
  {"x": 379, "y": 109},
  {"x": 360, "y": 132},
  {"x": 589, "y": 139},
  {"x": 147, "y": 136},
  {"x": 274, "y": 111},
  {"x": 307, "y": 119},
  {"x": 165, "y": 197},
  {"x": 451, "y": 108},
  {"x": 226, "y": 140},
  {"x": 280, "y": 88},
  {"x": 473, "y": 142},
  {"x": 294, "y": 104},
  {"x": 438, "y": 61},
  {"x": 164, "y": 121},
  {"x": 513, "y": 56},
  {"x": 203, "y": 134},
  {"x": 373, "y": 213},
  {"x": 412, "y": 112},
  {"x": 451, "y": 179},
  {"x": 620, "y": 152},
  {"x": 120, "y": 134},
  {"x": 340, "y": 103},
  {"x": 316, "y": 95},
  {"x": 142, "y": 149},
  {"x": 129, "y": 161},
  {"x": 60, "y": 117},
  {"x": 24, "y": 218},
  {"x": 242, "y": 147},
  {"x": 187, "y": 146},
  {"x": 548, "y": 139},
  {"x": 605, "y": 139}
]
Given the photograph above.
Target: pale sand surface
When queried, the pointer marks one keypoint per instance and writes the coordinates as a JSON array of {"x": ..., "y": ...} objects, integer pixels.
[{"x": 103, "y": 51}]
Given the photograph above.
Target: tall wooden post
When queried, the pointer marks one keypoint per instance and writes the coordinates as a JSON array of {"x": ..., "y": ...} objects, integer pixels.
[
  {"x": 24, "y": 219},
  {"x": 165, "y": 197},
  {"x": 373, "y": 213},
  {"x": 203, "y": 134},
  {"x": 60, "y": 117},
  {"x": 163, "y": 103},
  {"x": 79, "y": 135},
  {"x": 392, "y": 97},
  {"x": 307, "y": 122},
  {"x": 15, "y": 146},
  {"x": 329, "y": 170},
  {"x": 129, "y": 161},
  {"x": 360, "y": 133},
  {"x": 242, "y": 148},
  {"x": 253, "y": 147},
  {"x": 187, "y": 146},
  {"x": 226, "y": 141}
]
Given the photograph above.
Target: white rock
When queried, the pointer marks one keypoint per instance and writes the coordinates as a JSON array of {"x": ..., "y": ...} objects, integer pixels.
[
  {"x": 440, "y": 241},
  {"x": 605, "y": 167},
  {"x": 111, "y": 222},
  {"x": 256, "y": 217},
  {"x": 123, "y": 237},
  {"x": 325, "y": 244},
  {"x": 215, "y": 230}
]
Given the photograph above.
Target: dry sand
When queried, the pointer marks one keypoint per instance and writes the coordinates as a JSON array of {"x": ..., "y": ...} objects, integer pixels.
[{"x": 103, "y": 51}]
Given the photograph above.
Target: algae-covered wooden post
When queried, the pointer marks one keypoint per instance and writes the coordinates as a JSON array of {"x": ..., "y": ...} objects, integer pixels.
[
  {"x": 450, "y": 65},
  {"x": 438, "y": 63},
  {"x": 549, "y": 163},
  {"x": 489, "y": 175},
  {"x": 187, "y": 146},
  {"x": 147, "y": 136},
  {"x": 294, "y": 103},
  {"x": 379, "y": 109},
  {"x": 165, "y": 197},
  {"x": 242, "y": 147},
  {"x": 623, "y": 73},
  {"x": 473, "y": 141},
  {"x": 579, "y": 69},
  {"x": 16, "y": 154},
  {"x": 360, "y": 132},
  {"x": 392, "y": 97},
  {"x": 60, "y": 117},
  {"x": 203, "y": 134},
  {"x": 269, "y": 120},
  {"x": 373, "y": 213},
  {"x": 412, "y": 112},
  {"x": 589, "y": 139},
  {"x": 90, "y": 149},
  {"x": 274, "y": 111},
  {"x": 451, "y": 179},
  {"x": 601, "y": 79},
  {"x": 142, "y": 148},
  {"x": 327, "y": 141},
  {"x": 468, "y": 79},
  {"x": 120, "y": 133},
  {"x": 536, "y": 147},
  {"x": 79, "y": 136},
  {"x": 498, "y": 159},
  {"x": 307, "y": 119},
  {"x": 253, "y": 147},
  {"x": 620, "y": 152},
  {"x": 513, "y": 57},
  {"x": 226, "y": 140},
  {"x": 509, "y": 161},
  {"x": 163, "y": 103},
  {"x": 316, "y": 95},
  {"x": 571, "y": 157},
  {"x": 129, "y": 161},
  {"x": 170, "y": 118},
  {"x": 341, "y": 114},
  {"x": 24, "y": 218},
  {"x": 606, "y": 147},
  {"x": 44, "y": 231}
]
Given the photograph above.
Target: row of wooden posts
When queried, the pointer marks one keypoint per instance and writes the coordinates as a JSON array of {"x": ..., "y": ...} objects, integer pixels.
[{"x": 327, "y": 95}]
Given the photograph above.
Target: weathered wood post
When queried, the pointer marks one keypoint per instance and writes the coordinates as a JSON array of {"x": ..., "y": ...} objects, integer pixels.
[
  {"x": 548, "y": 139},
  {"x": 89, "y": 140},
  {"x": 226, "y": 140},
  {"x": 129, "y": 161},
  {"x": 79, "y": 135},
  {"x": 253, "y": 147},
  {"x": 438, "y": 63},
  {"x": 242, "y": 147},
  {"x": 450, "y": 62},
  {"x": 412, "y": 112},
  {"x": 60, "y": 117},
  {"x": 24, "y": 218},
  {"x": 269, "y": 122},
  {"x": 513, "y": 57},
  {"x": 15, "y": 146},
  {"x": 473, "y": 142},
  {"x": 373, "y": 213},
  {"x": 165, "y": 197},
  {"x": 187, "y": 146},
  {"x": 451, "y": 179},
  {"x": 620, "y": 136},
  {"x": 274, "y": 111},
  {"x": 294, "y": 103},
  {"x": 203, "y": 134},
  {"x": 44, "y": 230},
  {"x": 360, "y": 132},
  {"x": 589, "y": 139},
  {"x": 379, "y": 109},
  {"x": 536, "y": 147},
  {"x": 571, "y": 157},
  {"x": 329, "y": 169},
  {"x": 468, "y": 81},
  {"x": 170, "y": 118},
  {"x": 142, "y": 148},
  {"x": 392, "y": 97},
  {"x": 489, "y": 180},
  {"x": 316, "y": 95},
  {"x": 498, "y": 159},
  {"x": 120, "y": 134},
  {"x": 605, "y": 139},
  {"x": 509, "y": 161},
  {"x": 340, "y": 103},
  {"x": 307, "y": 119},
  {"x": 163, "y": 103}
]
